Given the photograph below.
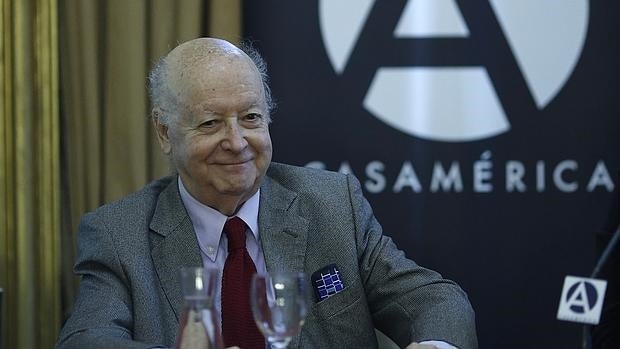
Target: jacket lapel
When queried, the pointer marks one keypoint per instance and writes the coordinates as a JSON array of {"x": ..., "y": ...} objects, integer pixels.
[
  {"x": 173, "y": 244},
  {"x": 283, "y": 232}
]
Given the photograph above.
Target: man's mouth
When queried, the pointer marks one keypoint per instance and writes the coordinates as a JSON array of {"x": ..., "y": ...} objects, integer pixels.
[{"x": 234, "y": 163}]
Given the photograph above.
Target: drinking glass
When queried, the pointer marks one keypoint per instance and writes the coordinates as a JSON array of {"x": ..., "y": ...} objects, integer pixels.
[
  {"x": 279, "y": 305},
  {"x": 198, "y": 327}
]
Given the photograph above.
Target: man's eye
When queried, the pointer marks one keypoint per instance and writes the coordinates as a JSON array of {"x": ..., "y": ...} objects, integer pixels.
[
  {"x": 252, "y": 116},
  {"x": 208, "y": 123}
]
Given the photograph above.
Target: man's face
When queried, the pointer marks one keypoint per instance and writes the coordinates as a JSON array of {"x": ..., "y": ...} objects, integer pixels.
[{"x": 221, "y": 146}]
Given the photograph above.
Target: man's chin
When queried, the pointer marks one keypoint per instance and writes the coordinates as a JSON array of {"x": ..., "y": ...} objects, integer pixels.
[{"x": 238, "y": 189}]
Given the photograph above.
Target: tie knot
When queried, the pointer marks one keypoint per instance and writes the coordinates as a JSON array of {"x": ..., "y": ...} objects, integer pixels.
[{"x": 235, "y": 232}]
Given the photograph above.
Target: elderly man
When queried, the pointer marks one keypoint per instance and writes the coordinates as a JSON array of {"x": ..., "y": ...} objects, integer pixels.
[{"x": 211, "y": 110}]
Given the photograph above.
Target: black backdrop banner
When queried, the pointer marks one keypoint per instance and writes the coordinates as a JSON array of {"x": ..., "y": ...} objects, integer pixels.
[{"x": 484, "y": 133}]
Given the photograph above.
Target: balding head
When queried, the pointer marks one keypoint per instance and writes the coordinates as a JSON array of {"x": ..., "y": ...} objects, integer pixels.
[{"x": 177, "y": 81}]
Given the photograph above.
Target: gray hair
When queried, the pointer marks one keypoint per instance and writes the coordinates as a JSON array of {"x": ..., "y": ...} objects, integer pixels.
[
  {"x": 161, "y": 96},
  {"x": 249, "y": 49}
]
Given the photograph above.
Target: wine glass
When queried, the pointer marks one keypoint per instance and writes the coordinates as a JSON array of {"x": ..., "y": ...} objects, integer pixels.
[{"x": 279, "y": 305}]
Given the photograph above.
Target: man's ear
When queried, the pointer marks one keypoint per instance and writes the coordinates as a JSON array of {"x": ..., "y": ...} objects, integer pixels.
[{"x": 162, "y": 131}]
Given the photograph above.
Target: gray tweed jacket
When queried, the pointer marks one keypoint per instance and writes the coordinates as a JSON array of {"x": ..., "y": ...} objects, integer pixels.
[{"x": 130, "y": 251}]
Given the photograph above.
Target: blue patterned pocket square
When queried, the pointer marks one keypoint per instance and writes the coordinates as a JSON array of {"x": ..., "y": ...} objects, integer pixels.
[{"x": 327, "y": 282}]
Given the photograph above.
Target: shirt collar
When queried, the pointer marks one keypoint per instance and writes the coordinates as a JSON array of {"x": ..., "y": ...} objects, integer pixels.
[{"x": 208, "y": 222}]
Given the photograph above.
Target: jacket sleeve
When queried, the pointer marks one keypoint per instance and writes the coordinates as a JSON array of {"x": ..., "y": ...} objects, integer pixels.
[
  {"x": 102, "y": 315},
  {"x": 408, "y": 302}
]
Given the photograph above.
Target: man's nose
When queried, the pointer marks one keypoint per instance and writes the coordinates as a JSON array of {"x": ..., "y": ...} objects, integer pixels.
[{"x": 234, "y": 137}]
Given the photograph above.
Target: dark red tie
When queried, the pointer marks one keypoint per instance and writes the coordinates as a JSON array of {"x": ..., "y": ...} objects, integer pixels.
[{"x": 238, "y": 327}]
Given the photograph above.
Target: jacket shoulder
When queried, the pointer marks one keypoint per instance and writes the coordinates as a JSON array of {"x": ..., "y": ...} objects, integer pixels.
[
  {"x": 304, "y": 179},
  {"x": 134, "y": 208}
]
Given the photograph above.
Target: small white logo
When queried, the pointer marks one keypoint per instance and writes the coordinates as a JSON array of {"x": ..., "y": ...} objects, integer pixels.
[
  {"x": 582, "y": 300},
  {"x": 446, "y": 103}
]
